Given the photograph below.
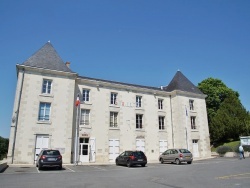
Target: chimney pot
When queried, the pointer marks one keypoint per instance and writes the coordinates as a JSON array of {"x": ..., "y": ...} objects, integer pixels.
[{"x": 67, "y": 64}]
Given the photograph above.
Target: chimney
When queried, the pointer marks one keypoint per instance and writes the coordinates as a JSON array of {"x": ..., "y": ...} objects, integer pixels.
[{"x": 67, "y": 64}]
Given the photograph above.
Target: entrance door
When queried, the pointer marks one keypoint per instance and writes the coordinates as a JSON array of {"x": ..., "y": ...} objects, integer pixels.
[
  {"x": 84, "y": 150},
  {"x": 113, "y": 149},
  {"x": 42, "y": 142},
  {"x": 92, "y": 150},
  {"x": 163, "y": 144},
  {"x": 140, "y": 144},
  {"x": 196, "y": 149}
]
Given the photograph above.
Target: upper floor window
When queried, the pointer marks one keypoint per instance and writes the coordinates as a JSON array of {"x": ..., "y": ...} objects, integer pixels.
[
  {"x": 193, "y": 126},
  {"x": 191, "y": 104},
  {"x": 46, "y": 86},
  {"x": 84, "y": 119},
  {"x": 138, "y": 101},
  {"x": 113, "y": 119},
  {"x": 85, "y": 95},
  {"x": 113, "y": 98},
  {"x": 161, "y": 122},
  {"x": 139, "y": 121},
  {"x": 160, "y": 104},
  {"x": 44, "y": 111}
]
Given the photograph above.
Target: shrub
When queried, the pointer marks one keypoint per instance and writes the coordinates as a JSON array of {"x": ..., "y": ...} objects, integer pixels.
[
  {"x": 236, "y": 148},
  {"x": 223, "y": 149}
]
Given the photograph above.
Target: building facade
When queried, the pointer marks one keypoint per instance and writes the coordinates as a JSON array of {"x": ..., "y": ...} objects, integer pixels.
[{"x": 110, "y": 117}]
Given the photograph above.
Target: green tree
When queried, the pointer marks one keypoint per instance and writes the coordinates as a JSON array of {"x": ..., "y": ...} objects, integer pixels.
[
  {"x": 216, "y": 92},
  {"x": 230, "y": 120},
  {"x": 227, "y": 118},
  {"x": 4, "y": 143}
]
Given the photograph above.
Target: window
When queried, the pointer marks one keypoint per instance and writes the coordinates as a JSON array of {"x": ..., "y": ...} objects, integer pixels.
[
  {"x": 138, "y": 101},
  {"x": 84, "y": 119},
  {"x": 138, "y": 121},
  {"x": 46, "y": 86},
  {"x": 191, "y": 104},
  {"x": 161, "y": 122},
  {"x": 44, "y": 111},
  {"x": 113, "y": 119},
  {"x": 113, "y": 98},
  {"x": 85, "y": 95},
  {"x": 160, "y": 104},
  {"x": 193, "y": 126}
]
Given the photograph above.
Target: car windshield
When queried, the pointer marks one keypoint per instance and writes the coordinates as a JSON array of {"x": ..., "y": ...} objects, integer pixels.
[
  {"x": 51, "y": 152},
  {"x": 184, "y": 151}
]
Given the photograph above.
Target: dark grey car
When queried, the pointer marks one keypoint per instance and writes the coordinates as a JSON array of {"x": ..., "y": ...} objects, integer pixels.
[
  {"x": 49, "y": 158},
  {"x": 176, "y": 156},
  {"x": 131, "y": 158}
]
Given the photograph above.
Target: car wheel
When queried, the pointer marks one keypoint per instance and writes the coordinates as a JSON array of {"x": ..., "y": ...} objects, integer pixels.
[
  {"x": 60, "y": 167},
  {"x": 189, "y": 162},
  {"x": 116, "y": 162},
  {"x": 162, "y": 161},
  {"x": 39, "y": 167},
  {"x": 143, "y": 165},
  {"x": 177, "y": 161},
  {"x": 129, "y": 164}
]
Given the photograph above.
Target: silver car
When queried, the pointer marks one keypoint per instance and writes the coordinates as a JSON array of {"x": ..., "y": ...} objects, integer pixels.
[{"x": 176, "y": 156}]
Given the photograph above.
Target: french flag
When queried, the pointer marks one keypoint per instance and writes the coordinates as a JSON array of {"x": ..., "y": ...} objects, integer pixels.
[{"x": 77, "y": 101}]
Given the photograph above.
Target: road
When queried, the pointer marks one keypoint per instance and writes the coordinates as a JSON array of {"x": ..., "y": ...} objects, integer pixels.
[{"x": 211, "y": 173}]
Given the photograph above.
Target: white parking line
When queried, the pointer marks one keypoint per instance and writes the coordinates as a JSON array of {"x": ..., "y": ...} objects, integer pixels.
[
  {"x": 69, "y": 169},
  {"x": 99, "y": 168},
  {"x": 38, "y": 170}
]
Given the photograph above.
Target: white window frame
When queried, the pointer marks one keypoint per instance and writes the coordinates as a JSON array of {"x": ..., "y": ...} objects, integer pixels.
[
  {"x": 192, "y": 120},
  {"x": 160, "y": 104},
  {"x": 161, "y": 122},
  {"x": 44, "y": 111},
  {"x": 85, "y": 95},
  {"x": 191, "y": 104},
  {"x": 113, "y": 98},
  {"x": 138, "y": 101},
  {"x": 47, "y": 86},
  {"x": 113, "y": 121},
  {"x": 139, "y": 121},
  {"x": 85, "y": 117}
]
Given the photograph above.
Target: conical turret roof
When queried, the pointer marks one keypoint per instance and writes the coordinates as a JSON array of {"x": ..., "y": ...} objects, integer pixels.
[
  {"x": 47, "y": 58},
  {"x": 181, "y": 83}
]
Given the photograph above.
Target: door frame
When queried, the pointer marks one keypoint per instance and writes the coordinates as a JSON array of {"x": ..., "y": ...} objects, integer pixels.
[{"x": 39, "y": 149}]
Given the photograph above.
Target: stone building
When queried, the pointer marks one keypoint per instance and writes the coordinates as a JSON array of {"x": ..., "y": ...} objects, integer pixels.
[{"x": 110, "y": 118}]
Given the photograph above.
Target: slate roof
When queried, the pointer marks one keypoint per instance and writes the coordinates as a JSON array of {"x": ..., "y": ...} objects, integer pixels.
[
  {"x": 181, "y": 83},
  {"x": 47, "y": 58},
  {"x": 122, "y": 83}
]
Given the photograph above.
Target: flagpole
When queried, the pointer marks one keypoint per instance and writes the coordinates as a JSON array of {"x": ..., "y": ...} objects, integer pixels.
[
  {"x": 186, "y": 128},
  {"x": 75, "y": 156},
  {"x": 76, "y": 131}
]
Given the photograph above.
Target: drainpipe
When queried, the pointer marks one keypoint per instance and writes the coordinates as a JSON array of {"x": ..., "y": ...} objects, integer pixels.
[
  {"x": 172, "y": 120},
  {"x": 17, "y": 114}
]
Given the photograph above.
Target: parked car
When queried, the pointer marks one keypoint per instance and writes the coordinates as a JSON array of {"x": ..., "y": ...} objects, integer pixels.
[
  {"x": 176, "y": 156},
  {"x": 131, "y": 158},
  {"x": 49, "y": 158}
]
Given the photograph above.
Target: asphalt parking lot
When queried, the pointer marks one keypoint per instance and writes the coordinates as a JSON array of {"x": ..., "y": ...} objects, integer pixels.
[{"x": 211, "y": 173}]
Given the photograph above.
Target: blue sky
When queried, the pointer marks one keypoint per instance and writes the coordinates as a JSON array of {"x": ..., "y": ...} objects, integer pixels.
[{"x": 134, "y": 41}]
